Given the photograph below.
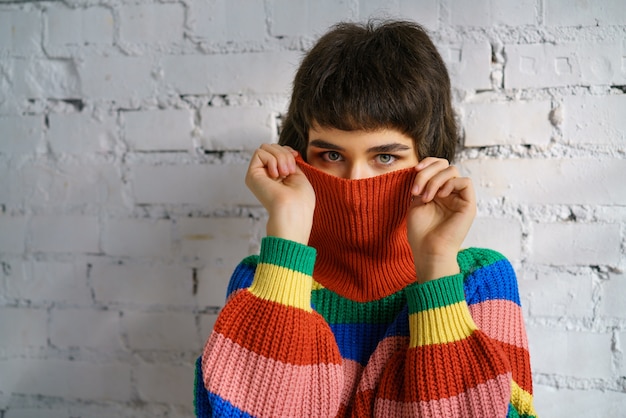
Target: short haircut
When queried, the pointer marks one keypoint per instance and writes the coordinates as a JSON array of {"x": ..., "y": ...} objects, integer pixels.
[{"x": 370, "y": 76}]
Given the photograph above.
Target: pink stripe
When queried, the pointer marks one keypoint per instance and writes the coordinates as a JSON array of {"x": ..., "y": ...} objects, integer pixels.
[
  {"x": 379, "y": 359},
  {"x": 352, "y": 371},
  {"x": 489, "y": 318},
  {"x": 267, "y": 388},
  {"x": 490, "y": 399}
]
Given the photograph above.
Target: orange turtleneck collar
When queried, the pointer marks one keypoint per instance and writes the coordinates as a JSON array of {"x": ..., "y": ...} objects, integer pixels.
[{"x": 360, "y": 233}]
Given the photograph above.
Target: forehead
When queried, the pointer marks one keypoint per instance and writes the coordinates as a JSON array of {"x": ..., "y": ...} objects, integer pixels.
[{"x": 358, "y": 138}]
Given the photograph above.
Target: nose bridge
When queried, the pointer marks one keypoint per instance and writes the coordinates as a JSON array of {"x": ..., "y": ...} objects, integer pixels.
[{"x": 357, "y": 170}]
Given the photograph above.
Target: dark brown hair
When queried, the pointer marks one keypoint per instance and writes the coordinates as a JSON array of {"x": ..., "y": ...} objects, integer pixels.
[{"x": 373, "y": 76}]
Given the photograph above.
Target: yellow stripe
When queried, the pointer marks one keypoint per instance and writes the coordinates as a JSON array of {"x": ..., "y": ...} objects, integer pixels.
[
  {"x": 522, "y": 400},
  {"x": 441, "y": 325},
  {"x": 317, "y": 286},
  {"x": 282, "y": 285}
]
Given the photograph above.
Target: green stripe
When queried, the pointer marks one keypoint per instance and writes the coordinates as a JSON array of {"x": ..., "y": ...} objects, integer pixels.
[
  {"x": 435, "y": 293},
  {"x": 472, "y": 259},
  {"x": 288, "y": 254},
  {"x": 339, "y": 310}
]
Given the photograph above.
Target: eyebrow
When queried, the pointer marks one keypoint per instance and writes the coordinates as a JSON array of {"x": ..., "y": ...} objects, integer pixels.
[{"x": 393, "y": 147}]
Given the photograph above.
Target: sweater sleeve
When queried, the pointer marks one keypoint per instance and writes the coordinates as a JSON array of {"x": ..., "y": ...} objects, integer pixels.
[
  {"x": 468, "y": 352},
  {"x": 269, "y": 353}
]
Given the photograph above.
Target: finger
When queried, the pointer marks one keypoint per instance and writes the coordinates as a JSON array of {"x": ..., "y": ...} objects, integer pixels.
[
  {"x": 437, "y": 181},
  {"x": 285, "y": 158},
  {"x": 429, "y": 182},
  {"x": 460, "y": 185},
  {"x": 426, "y": 169},
  {"x": 264, "y": 160}
]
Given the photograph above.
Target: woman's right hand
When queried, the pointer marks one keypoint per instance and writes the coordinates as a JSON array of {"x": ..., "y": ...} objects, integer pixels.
[{"x": 283, "y": 190}]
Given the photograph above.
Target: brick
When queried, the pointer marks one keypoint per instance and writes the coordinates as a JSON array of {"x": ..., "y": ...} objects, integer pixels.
[
  {"x": 45, "y": 78},
  {"x": 22, "y": 329},
  {"x": 13, "y": 236},
  {"x": 507, "y": 123},
  {"x": 20, "y": 32},
  {"x": 207, "y": 322},
  {"x": 120, "y": 78},
  {"x": 147, "y": 285},
  {"x": 74, "y": 328},
  {"x": 475, "y": 13},
  {"x": 159, "y": 130},
  {"x": 594, "y": 120},
  {"x": 237, "y": 128},
  {"x": 137, "y": 238},
  {"x": 79, "y": 27},
  {"x": 502, "y": 235},
  {"x": 6, "y": 176},
  {"x": 64, "y": 234},
  {"x": 469, "y": 65},
  {"x": 621, "y": 346},
  {"x": 584, "y": 13},
  {"x": 559, "y": 294},
  {"x": 575, "y": 244},
  {"x": 514, "y": 13},
  {"x": 262, "y": 72},
  {"x": 314, "y": 17},
  {"x": 567, "y": 349},
  {"x": 160, "y": 331},
  {"x": 612, "y": 297},
  {"x": 214, "y": 186},
  {"x": 151, "y": 387},
  {"x": 220, "y": 243},
  {"x": 562, "y": 402},
  {"x": 152, "y": 23},
  {"x": 67, "y": 379},
  {"x": 80, "y": 133},
  {"x": 68, "y": 183},
  {"x": 595, "y": 181},
  {"x": 94, "y": 410},
  {"x": 425, "y": 12},
  {"x": 564, "y": 64},
  {"x": 227, "y": 20},
  {"x": 20, "y": 134},
  {"x": 48, "y": 282}
]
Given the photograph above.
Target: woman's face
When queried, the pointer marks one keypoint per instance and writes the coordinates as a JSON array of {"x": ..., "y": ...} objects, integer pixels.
[{"x": 359, "y": 154}]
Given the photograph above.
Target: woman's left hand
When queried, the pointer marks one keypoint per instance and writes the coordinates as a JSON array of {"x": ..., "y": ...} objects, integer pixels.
[{"x": 441, "y": 213}]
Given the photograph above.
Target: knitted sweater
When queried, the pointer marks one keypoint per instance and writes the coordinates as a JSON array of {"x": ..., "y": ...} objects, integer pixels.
[{"x": 357, "y": 336}]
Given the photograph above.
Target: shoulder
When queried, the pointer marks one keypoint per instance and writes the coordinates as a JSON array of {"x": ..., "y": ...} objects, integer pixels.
[{"x": 487, "y": 275}]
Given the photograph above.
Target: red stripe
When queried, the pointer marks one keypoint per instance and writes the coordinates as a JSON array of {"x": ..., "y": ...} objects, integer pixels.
[
  {"x": 442, "y": 370},
  {"x": 278, "y": 332}
]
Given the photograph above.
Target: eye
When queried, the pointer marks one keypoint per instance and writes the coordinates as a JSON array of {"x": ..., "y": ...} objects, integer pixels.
[
  {"x": 332, "y": 156},
  {"x": 386, "y": 158}
]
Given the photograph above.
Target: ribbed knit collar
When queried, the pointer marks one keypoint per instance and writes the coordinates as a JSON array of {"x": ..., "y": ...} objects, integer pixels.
[{"x": 360, "y": 234}]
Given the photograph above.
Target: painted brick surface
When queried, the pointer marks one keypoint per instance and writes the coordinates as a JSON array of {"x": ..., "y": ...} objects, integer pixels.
[
  {"x": 519, "y": 122},
  {"x": 20, "y": 134},
  {"x": 78, "y": 27},
  {"x": 78, "y": 133},
  {"x": 227, "y": 21},
  {"x": 565, "y": 64},
  {"x": 173, "y": 127},
  {"x": 126, "y": 128},
  {"x": 237, "y": 128},
  {"x": 594, "y": 120}
]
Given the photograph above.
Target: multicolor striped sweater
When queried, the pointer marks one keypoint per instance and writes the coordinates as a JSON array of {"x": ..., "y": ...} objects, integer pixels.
[{"x": 291, "y": 344}]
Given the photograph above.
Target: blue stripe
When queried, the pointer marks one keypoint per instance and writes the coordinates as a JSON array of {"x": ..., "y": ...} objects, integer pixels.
[
  {"x": 495, "y": 281},
  {"x": 223, "y": 408},
  {"x": 243, "y": 275},
  {"x": 201, "y": 402},
  {"x": 358, "y": 341}
]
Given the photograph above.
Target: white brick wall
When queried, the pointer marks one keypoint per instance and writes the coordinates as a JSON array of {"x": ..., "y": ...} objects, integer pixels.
[{"x": 125, "y": 131}]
